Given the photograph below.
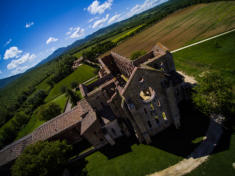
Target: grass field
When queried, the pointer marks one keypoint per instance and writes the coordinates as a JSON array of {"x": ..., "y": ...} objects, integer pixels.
[
  {"x": 141, "y": 160},
  {"x": 217, "y": 54},
  {"x": 183, "y": 27},
  {"x": 83, "y": 73},
  {"x": 61, "y": 101}
]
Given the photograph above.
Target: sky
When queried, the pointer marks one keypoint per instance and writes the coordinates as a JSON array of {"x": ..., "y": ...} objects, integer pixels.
[{"x": 32, "y": 29}]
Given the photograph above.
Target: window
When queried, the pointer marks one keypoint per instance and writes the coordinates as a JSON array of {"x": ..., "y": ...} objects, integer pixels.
[
  {"x": 145, "y": 111},
  {"x": 113, "y": 131},
  {"x": 150, "y": 125},
  {"x": 102, "y": 104},
  {"x": 157, "y": 121},
  {"x": 158, "y": 103},
  {"x": 164, "y": 116},
  {"x": 152, "y": 106}
]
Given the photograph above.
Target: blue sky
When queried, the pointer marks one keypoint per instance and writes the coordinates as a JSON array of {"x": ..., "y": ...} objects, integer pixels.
[{"x": 32, "y": 29}]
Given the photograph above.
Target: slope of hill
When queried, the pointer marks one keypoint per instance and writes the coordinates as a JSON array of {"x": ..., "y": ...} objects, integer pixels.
[
  {"x": 55, "y": 54},
  {"x": 183, "y": 27},
  {"x": 5, "y": 81}
]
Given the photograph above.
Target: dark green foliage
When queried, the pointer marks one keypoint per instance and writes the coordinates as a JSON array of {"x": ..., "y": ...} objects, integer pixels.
[
  {"x": 63, "y": 89},
  {"x": 64, "y": 68},
  {"x": 137, "y": 54},
  {"x": 37, "y": 99},
  {"x": 73, "y": 97},
  {"x": 48, "y": 112},
  {"x": 42, "y": 159},
  {"x": 9, "y": 131},
  {"x": 50, "y": 83},
  {"x": 74, "y": 85},
  {"x": 213, "y": 95},
  {"x": 98, "y": 49}
]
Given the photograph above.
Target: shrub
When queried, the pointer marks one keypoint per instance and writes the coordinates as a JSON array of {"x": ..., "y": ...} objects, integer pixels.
[
  {"x": 74, "y": 85},
  {"x": 47, "y": 112}
]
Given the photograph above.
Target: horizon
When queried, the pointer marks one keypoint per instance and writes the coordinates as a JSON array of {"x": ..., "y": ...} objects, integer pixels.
[{"x": 40, "y": 30}]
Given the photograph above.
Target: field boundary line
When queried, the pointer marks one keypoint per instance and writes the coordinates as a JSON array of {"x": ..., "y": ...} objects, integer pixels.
[{"x": 202, "y": 41}]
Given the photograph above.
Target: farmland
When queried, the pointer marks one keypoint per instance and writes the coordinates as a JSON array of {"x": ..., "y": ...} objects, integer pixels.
[{"x": 183, "y": 27}]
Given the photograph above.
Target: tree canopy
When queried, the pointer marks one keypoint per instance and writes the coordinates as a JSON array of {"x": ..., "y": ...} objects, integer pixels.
[
  {"x": 47, "y": 112},
  {"x": 42, "y": 159},
  {"x": 213, "y": 95}
]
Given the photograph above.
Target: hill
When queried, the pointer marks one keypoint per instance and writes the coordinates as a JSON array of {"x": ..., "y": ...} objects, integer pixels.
[{"x": 5, "y": 81}]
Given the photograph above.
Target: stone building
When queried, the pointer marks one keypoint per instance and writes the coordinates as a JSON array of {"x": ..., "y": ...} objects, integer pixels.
[{"x": 137, "y": 97}]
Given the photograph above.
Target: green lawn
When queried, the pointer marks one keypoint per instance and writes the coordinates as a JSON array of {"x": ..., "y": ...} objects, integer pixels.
[
  {"x": 61, "y": 101},
  {"x": 219, "y": 163},
  {"x": 83, "y": 73},
  {"x": 140, "y": 160},
  {"x": 217, "y": 54}
]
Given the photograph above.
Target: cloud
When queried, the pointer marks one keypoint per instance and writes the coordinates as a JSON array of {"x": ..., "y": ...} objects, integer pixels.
[
  {"x": 145, "y": 6},
  {"x": 114, "y": 18},
  {"x": 0, "y": 72},
  {"x": 23, "y": 59},
  {"x": 8, "y": 42},
  {"x": 28, "y": 25},
  {"x": 92, "y": 19},
  {"x": 100, "y": 22},
  {"x": 75, "y": 32},
  {"x": 19, "y": 70},
  {"x": 12, "y": 52},
  {"x": 96, "y": 7},
  {"x": 50, "y": 40}
]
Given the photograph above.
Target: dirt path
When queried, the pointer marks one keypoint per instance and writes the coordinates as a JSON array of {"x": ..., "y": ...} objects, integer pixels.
[
  {"x": 68, "y": 106},
  {"x": 198, "y": 156}
]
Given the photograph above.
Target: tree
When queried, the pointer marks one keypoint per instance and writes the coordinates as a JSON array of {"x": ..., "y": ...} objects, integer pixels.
[
  {"x": 74, "y": 84},
  {"x": 42, "y": 159},
  {"x": 137, "y": 54},
  {"x": 47, "y": 112},
  {"x": 213, "y": 95},
  {"x": 74, "y": 98}
]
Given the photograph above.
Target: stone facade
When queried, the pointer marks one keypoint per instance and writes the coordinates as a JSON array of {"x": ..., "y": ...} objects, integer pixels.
[{"x": 131, "y": 97}]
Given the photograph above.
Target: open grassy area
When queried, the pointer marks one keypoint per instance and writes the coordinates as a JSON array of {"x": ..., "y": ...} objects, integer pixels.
[
  {"x": 217, "y": 54},
  {"x": 83, "y": 73},
  {"x": 141, "y": 160},
  {"x": 183, "y": 27},
  {"x": 61, "y": 101}
]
